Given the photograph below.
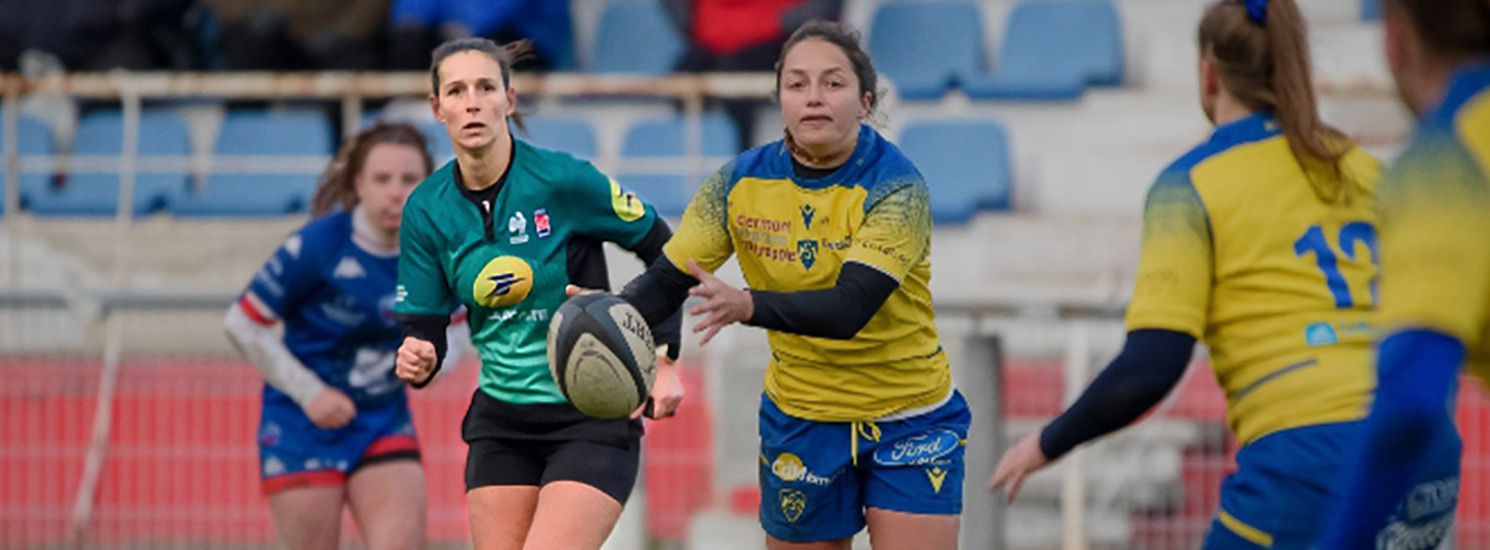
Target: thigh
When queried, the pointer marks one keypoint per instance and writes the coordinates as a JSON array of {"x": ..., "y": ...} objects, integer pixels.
[
  {"x": 1426, "y": 517},
  {"x": 388, "y": 501},
  {"x": 810, "y": 490},
  {"x": 295, "y": 454},
  {"x": 308, "y": 518},
  {"x": 917, "y": 466},
  {"x": 501, "y": 515},
  {"x": 891, "y": 530},
  {"x": 773, "y": 543},
  {"x": 499, "y": 462},
  {"x": 1284, "y": 485},
  {"x": 572, "y": 516},
  {"x": 608, "y": 468}
]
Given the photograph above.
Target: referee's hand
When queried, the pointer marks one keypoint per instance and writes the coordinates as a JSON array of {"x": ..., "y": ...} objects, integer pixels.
[{"x": 416, "y": 361}]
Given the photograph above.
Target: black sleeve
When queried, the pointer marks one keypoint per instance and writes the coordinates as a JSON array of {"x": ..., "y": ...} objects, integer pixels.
[
  {"x": 1151, "y": 363},
  {"x": 430, "y": 328},
  {"x": 808, "y": 10},
  {"x": 658, "y": 305},
  {"x": 680, "y": 12},
  {"x": 838, "y": 313}
]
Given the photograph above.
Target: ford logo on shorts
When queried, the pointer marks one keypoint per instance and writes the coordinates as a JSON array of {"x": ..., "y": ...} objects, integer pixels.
[{"x": 918, "y": 449}]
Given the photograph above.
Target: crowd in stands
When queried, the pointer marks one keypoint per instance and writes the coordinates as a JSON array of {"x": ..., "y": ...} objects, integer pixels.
[{"x": 296, "y": 35}]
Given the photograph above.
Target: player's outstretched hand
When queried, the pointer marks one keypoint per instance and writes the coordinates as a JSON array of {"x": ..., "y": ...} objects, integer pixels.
[
  {"x": 416, "y": 360},
  {"x": 726, "y": 305},
  {"x": 667, "y": 390},
  {"x": 330, "y": 409},
  {"x": 1022, "y": 460}
]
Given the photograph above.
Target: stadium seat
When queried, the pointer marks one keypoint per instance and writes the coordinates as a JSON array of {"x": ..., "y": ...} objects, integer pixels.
[
  {"x": 636, "y": 37},
  {"x": 1053, "y": 50},
  {"x": 926, "y": 47},
  {"x": 265, "y": 134},
  {"x": 438, "y": 141},
  {"x": 664, "y": 138},
  {"x": 568, "y": 134},
  {"x": 35, "y": 140},
  {"x": 96, "y": 192},
  {"x": 966, "y": 166},
  {"x": 1371, "y": 10}
]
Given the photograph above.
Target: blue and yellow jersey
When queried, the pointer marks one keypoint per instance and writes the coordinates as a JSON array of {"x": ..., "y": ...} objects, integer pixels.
[
  {"x": 1240, "y": 252},
  {"x": 794, "y": 234},
  {"x": 1435, "y": 215}
]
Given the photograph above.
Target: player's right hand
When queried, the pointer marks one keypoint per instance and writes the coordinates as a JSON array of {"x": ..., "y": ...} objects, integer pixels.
[
  {"x": 416, "y": 361},
  {"x": 330, "y": 409},
  {"x": 1022, "y": 460}
]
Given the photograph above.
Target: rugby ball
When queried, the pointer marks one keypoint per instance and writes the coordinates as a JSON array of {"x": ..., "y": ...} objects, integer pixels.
[{"x": 601, "y": 355}]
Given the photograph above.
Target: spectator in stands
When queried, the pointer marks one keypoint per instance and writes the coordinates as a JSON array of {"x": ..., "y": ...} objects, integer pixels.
[
  {"x": 419, "y": 25},
  {"x": 1435, "y": 262},
  {"x": 860, "y": 424},
  {"x": 277, "y": 35},
  {"x": 1262, "y": 241},
  {"x": 335, "y": 430},
  {"x": 501, "y": 230},
  {"x": 98, "y": 34},
  {"x": 741, "y": 36}
]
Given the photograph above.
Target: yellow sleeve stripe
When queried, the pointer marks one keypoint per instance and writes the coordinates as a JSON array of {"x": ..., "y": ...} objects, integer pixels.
[{"x": 1252, "y": 534}]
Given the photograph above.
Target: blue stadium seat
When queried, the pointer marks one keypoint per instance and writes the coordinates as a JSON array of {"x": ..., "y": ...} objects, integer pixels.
[
  {"x": 926, "y": 47},
  {"x": 571, "y": 135},
  {"x": 1053, "y": 50},
  {"x": 636, "y": 36},
  {"x": 1371, "y": 10},
  {"x": 965, "y": 163},
  {"x": 266, "y": 134},
  {"x": 35, "y": 140},
  {"x": 664, "y": 138},
  {"x": 96, "y": 193},
  {"x": 438, "y": 140}
]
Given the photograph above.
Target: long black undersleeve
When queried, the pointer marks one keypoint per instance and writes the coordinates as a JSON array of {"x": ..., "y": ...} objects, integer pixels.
[
  {"x": 838, "y": 313},
  {"x": 664, "y": 315},
  {"x": 1151, "y": 364},
  {"x": 430, "y": 328}
]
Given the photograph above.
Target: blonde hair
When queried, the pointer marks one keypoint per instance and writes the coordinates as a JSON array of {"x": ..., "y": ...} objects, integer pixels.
[{"x": 1265, "y": 65}]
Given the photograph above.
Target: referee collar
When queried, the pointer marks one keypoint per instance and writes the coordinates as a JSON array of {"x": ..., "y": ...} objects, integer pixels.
[{"x": 488, "y": 193}]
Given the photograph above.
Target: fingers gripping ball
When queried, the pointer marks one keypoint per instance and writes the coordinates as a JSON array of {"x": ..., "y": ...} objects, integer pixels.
[{"x": 601, "y": 355}]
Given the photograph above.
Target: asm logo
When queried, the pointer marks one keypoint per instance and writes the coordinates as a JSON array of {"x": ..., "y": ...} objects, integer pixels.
[
  {"x": 502, "y": 284},
  {"x": 807, "y": 251}
]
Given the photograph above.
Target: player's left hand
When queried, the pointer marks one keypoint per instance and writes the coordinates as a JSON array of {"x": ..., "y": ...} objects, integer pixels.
[
  {"x": 1022, "y": 460},
  {"x": 667, "y": 390},
  {"x": 726, "y": 305}
]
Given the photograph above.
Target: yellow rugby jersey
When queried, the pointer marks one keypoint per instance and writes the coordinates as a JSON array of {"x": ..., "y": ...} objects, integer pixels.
[
  {"x": 794, "y": 234},
  {"x": 1435, "y": 215},
  {"x": 1238, "y": 251}
]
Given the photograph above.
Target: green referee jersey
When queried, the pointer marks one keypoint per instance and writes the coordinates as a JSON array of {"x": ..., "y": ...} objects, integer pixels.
[{"x": 507, "y": 252}]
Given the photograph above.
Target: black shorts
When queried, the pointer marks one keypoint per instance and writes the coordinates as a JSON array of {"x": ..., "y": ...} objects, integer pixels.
[{"x": 512, "y": 444}]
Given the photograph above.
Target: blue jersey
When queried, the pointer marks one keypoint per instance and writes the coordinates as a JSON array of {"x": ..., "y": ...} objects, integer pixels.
[{"x": 336, "y": 300}]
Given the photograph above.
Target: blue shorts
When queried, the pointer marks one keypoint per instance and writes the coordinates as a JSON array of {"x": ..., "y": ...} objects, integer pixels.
[
  {"x": 817, "y": 478},
  {"x": 1286, "y": 484},
  {"x": 295, "y": 453}
]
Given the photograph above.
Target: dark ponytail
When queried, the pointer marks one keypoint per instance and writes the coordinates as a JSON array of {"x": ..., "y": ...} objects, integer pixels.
[{"x": 1260, "y": 48}]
